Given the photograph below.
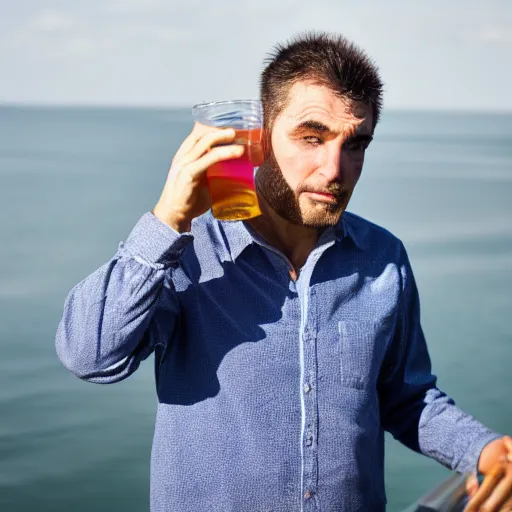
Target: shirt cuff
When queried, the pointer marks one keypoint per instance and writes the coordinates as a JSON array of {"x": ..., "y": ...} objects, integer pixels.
[
  {"x": 155, "y": 242},
  {"x": 472, "y": 456}
]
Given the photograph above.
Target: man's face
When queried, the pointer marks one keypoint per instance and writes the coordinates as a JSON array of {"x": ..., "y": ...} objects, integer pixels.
[{"x": 316, "y": 156}]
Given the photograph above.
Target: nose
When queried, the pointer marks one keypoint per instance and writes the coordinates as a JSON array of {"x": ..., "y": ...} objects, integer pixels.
[{"x": 333, "y": 164}]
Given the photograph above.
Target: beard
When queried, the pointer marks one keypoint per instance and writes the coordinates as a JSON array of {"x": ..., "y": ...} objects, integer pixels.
[{"x": 271, "y": 184}]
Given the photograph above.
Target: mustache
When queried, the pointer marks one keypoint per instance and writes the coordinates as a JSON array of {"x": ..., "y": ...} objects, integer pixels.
[{"x": 335, "y": 189}]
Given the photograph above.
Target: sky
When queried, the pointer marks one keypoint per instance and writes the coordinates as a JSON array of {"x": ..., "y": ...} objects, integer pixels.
[{"x": 451, "y": 54}]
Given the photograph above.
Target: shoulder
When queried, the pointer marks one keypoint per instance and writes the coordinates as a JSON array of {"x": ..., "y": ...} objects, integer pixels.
[
  {"x": 203, "y": 224},
  {"x": 380, "y": 246},
  {"x": 371, "y": 237},
  {"x": 209, "y": 241}
]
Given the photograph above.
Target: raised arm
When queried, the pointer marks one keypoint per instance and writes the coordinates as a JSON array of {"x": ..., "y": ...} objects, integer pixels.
[
  {"x": 104, "y": 332},
  {"x": 106, "y": 328}
]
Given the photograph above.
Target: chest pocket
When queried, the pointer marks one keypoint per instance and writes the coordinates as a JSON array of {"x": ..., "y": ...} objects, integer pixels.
[{"x": 362, "y": 348}]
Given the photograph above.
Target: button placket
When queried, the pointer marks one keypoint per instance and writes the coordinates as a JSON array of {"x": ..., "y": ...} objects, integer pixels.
[
  {"x": 308, "y": 389},
  {"x": 309, "y": 437},
  {"x": 310, "y": 401}
]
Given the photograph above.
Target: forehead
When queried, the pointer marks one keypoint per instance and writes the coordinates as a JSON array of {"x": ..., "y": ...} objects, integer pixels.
[{"x": 308, "y": 101}]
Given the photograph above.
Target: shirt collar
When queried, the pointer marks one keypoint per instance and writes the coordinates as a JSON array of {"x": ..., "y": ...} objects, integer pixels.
[
  {"x": 238, "y": 236},
  {"x": 355, "y": 229}
]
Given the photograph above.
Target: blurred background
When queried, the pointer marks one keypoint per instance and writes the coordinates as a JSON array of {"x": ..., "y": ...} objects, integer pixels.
[{"x": 95, "y": 99}]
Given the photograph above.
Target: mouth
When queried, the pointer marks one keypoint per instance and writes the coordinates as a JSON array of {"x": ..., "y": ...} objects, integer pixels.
[{"x": 324, "y": 197}]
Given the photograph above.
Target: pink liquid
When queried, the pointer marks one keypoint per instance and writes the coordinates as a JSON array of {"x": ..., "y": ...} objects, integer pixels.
[{"x": 231, "y": 183}]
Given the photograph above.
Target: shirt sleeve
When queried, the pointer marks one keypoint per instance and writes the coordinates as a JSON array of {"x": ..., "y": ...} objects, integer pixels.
[
  {"x": 413, "y": 409},
  {"x": 103, "y": 334}
]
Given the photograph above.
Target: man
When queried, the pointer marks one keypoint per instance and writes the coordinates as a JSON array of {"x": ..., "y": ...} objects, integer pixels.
[{"x": 286, "y": 344}]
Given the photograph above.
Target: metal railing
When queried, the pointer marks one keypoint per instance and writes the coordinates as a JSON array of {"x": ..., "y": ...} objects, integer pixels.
[{"x": 449, "y": 496}]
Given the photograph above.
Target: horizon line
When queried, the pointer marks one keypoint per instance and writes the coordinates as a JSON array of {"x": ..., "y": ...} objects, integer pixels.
[{"x": 134, "y": 106}]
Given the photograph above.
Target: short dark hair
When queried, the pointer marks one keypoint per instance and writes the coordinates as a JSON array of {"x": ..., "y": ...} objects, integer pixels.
[{"x": 322, "y": 58}]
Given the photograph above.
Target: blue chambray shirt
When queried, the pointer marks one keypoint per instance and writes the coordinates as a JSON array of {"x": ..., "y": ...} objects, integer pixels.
[{"x": 273, "y": 393}]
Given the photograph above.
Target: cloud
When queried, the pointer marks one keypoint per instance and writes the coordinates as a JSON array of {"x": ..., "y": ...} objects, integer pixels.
[
  {"x": 58, "y": 35},
  {"x": 495, "y": 35},
  {"x": 148, "y": 7},
  {"x": 52, "y": 21},
  {"x": 55, "y": 34},
  {"x": 162, "y": 51}
]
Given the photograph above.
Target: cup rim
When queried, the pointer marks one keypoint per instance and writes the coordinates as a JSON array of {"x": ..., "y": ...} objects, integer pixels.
[{"x": 206, "y": 104}]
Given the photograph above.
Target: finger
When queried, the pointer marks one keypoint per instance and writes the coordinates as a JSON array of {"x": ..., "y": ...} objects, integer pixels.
[
  {"x": 471, "y": 485},
  {"x": 190, "y": 141},
  {"x": 207, "y": 141},
  {"x": 197, "y": 132},
  {"x": 216, "y": 155},
  {"x": 501, "y": 493},
  {"x": 507, "y": 507},
  {"x": 490, "y": 482},
  {"x": 507, "y": 440}
]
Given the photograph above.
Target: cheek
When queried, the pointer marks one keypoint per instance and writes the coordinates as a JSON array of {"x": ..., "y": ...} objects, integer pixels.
[
  {"x": 358, "y": 166},
  {"x": 353, "y": 165},
  {"x": 295, "y": 165}
]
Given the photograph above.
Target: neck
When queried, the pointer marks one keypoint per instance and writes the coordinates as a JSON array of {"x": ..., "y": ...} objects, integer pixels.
[{"x": 294, "y": 241}]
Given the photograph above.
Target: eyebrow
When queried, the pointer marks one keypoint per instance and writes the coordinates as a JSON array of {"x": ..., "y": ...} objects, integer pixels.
[
  {"x": 321, "y": 129},
  {"x": 362, "y": 137},
  {"x": 312, "y": 126}
]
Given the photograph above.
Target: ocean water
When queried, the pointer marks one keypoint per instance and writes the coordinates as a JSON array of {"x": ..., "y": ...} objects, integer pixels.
[{"x": 73, "y": 182}]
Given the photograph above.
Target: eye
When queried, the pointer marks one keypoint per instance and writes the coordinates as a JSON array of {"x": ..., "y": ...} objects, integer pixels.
[
  {"x": 310, "y": 139},
  {"x": 356, "y": 145}
]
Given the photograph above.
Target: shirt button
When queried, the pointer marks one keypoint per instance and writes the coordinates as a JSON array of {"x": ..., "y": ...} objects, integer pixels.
[
  {"x": 307, "y": 495},
  {"x": 307, "y": 388}
]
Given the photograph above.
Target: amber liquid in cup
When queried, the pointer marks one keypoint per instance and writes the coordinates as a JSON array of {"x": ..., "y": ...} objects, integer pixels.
[{"x": 231, "y": 182}]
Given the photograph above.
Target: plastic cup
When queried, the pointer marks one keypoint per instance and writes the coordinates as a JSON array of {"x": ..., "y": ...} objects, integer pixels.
[{"x": 231, "y": 182}]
